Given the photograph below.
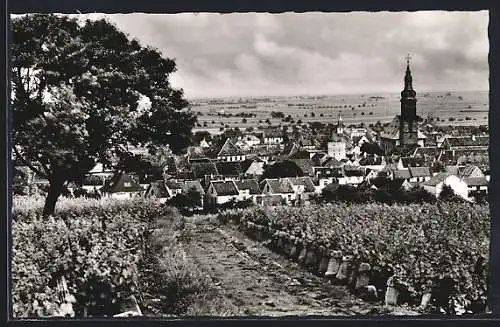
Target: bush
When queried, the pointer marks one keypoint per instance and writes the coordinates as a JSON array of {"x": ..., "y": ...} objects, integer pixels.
[{"x": 95, "y": 245}]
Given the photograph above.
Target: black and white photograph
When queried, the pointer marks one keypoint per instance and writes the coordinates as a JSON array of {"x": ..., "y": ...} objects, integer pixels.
[{"x": 317, "y": 164}]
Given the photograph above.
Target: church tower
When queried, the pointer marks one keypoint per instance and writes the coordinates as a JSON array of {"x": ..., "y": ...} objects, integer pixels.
[
  {"x": 340, "y": 126},
  {"x": 408, "y": 124}
]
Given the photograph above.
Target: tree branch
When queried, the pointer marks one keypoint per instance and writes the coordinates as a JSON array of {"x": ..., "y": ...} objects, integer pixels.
[{"x": 30, "y": 166}]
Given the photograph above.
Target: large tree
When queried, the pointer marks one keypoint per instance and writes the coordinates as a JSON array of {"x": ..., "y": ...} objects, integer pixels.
[{"x": 80, "y": 92}]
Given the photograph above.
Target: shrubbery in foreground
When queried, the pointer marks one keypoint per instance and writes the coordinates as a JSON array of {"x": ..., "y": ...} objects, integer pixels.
[{"x": 95, "y": 245}]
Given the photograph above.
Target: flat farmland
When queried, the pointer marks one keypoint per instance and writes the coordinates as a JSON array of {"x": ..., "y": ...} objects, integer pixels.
[{"x": 450, "y": 108}]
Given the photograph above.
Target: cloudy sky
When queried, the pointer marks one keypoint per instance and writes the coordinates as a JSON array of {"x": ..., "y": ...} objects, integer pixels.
[{"x": 317, "y": 53}]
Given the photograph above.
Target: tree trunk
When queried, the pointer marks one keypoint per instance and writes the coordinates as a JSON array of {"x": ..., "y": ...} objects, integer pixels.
[{"x": 55, "y": 190}]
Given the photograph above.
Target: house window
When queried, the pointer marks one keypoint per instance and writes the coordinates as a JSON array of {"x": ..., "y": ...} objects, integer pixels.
[{"x": 127, "y": 184}]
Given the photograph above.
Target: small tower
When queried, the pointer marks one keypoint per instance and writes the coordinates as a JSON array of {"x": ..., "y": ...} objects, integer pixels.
[
  {"x": 340, "y": 126},
  {"x": 408, "y": 133}
]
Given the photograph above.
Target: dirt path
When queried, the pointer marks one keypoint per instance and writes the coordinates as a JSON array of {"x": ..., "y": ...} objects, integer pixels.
[{"x": 263, "y": 283}]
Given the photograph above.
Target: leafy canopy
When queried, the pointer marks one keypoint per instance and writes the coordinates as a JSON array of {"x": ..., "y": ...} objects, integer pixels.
[{"x": 82, "y": 92}]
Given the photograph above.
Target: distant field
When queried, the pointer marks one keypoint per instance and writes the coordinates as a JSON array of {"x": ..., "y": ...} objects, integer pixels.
[{"x": 465, "y": 108}]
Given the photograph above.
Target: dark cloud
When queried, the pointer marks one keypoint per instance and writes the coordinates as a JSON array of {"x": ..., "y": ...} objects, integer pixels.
[{"x": 251, "y": 54}]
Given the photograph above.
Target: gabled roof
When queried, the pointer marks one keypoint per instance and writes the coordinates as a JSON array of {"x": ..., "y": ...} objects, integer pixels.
[
  {"x": 353, "y": 171},
  {"x": 470, "y": 171},
  {"x": 438, "y": 178},
  {"x": 402, "y": 174},
  {"x": 224, "y": 188},
  {"x": 476, "y": 181},
  {"x": 121, "y": 182},
  {"x": 461, "y": 141},
  {"x": 255, "y": 168},
  {"x": 304, "y": 164},
  {"x": 465, "y": 156},
  {"x": 304, "y": 181},
  {"x": 427, "y": 152},
  {"x": 279, "y": 185},
  {"x": 229, "y": 149},
  {"x": 249, "y": 184},
  {"x": 157, "y": 188},
  {"x": 229, "y": 168},
  {"x": 451, "y": 169},
  {"x": 419, "y": 171},
  {"x": 392, "y": 131},
  {"x": 332, "y": 162}
]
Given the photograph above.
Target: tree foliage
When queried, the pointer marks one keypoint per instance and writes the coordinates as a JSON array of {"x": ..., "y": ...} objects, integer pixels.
[{"x": 79, "y": 92}]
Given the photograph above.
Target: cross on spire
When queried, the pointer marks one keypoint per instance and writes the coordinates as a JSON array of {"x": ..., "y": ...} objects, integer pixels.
[{"x": 408, "y": 57}]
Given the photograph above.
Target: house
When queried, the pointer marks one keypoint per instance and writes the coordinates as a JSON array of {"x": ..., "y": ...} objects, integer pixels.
[
  {"x": 158, "y": 191},
  {"x": 220, "y": 192},
  {"x": 248, "y": 141},
  {"x": 477, "y": 186},
  {"x": 326, "y": 172},
  {"x": 121, "y": 186},
  {"x": 405, "y": 162},
  {"x": 204, "y": 144},
  {"x": 302, "y": 184},
  {"x": 248, "y": 189},
  {"x": 100, "y": 170},
  {"x": 419, "y": 174},
  {"x": 352, "y": 175},
  {"x": 360, "y": 140},
  {"x": 273, "y": 137},
  {"x": 458, "y": 142},
  {"x": 428, "y": 155},
  {"x": 401, "y": 174},
  {"x": 466, "y": 156},
  {"x": 173, "y": 187},
  {"x": 470, "y": 171},
  {"x": 436, "y": 183},
  {"x": 303, "y": 187},
  {"x": 230, "y": 152},
  {"x": 337, "y": 150},
  {"x": 278, "y": 186}
]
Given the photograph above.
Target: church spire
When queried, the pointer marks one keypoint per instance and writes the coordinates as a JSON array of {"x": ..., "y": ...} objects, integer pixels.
[{"x": 408, "y": 91}]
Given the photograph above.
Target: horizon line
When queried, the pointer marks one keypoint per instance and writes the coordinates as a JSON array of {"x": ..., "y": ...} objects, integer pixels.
[{"x": 319, "y": 95}]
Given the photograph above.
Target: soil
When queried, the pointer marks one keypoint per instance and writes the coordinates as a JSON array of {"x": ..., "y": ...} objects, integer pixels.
[{"x": 263, "y": 283}]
